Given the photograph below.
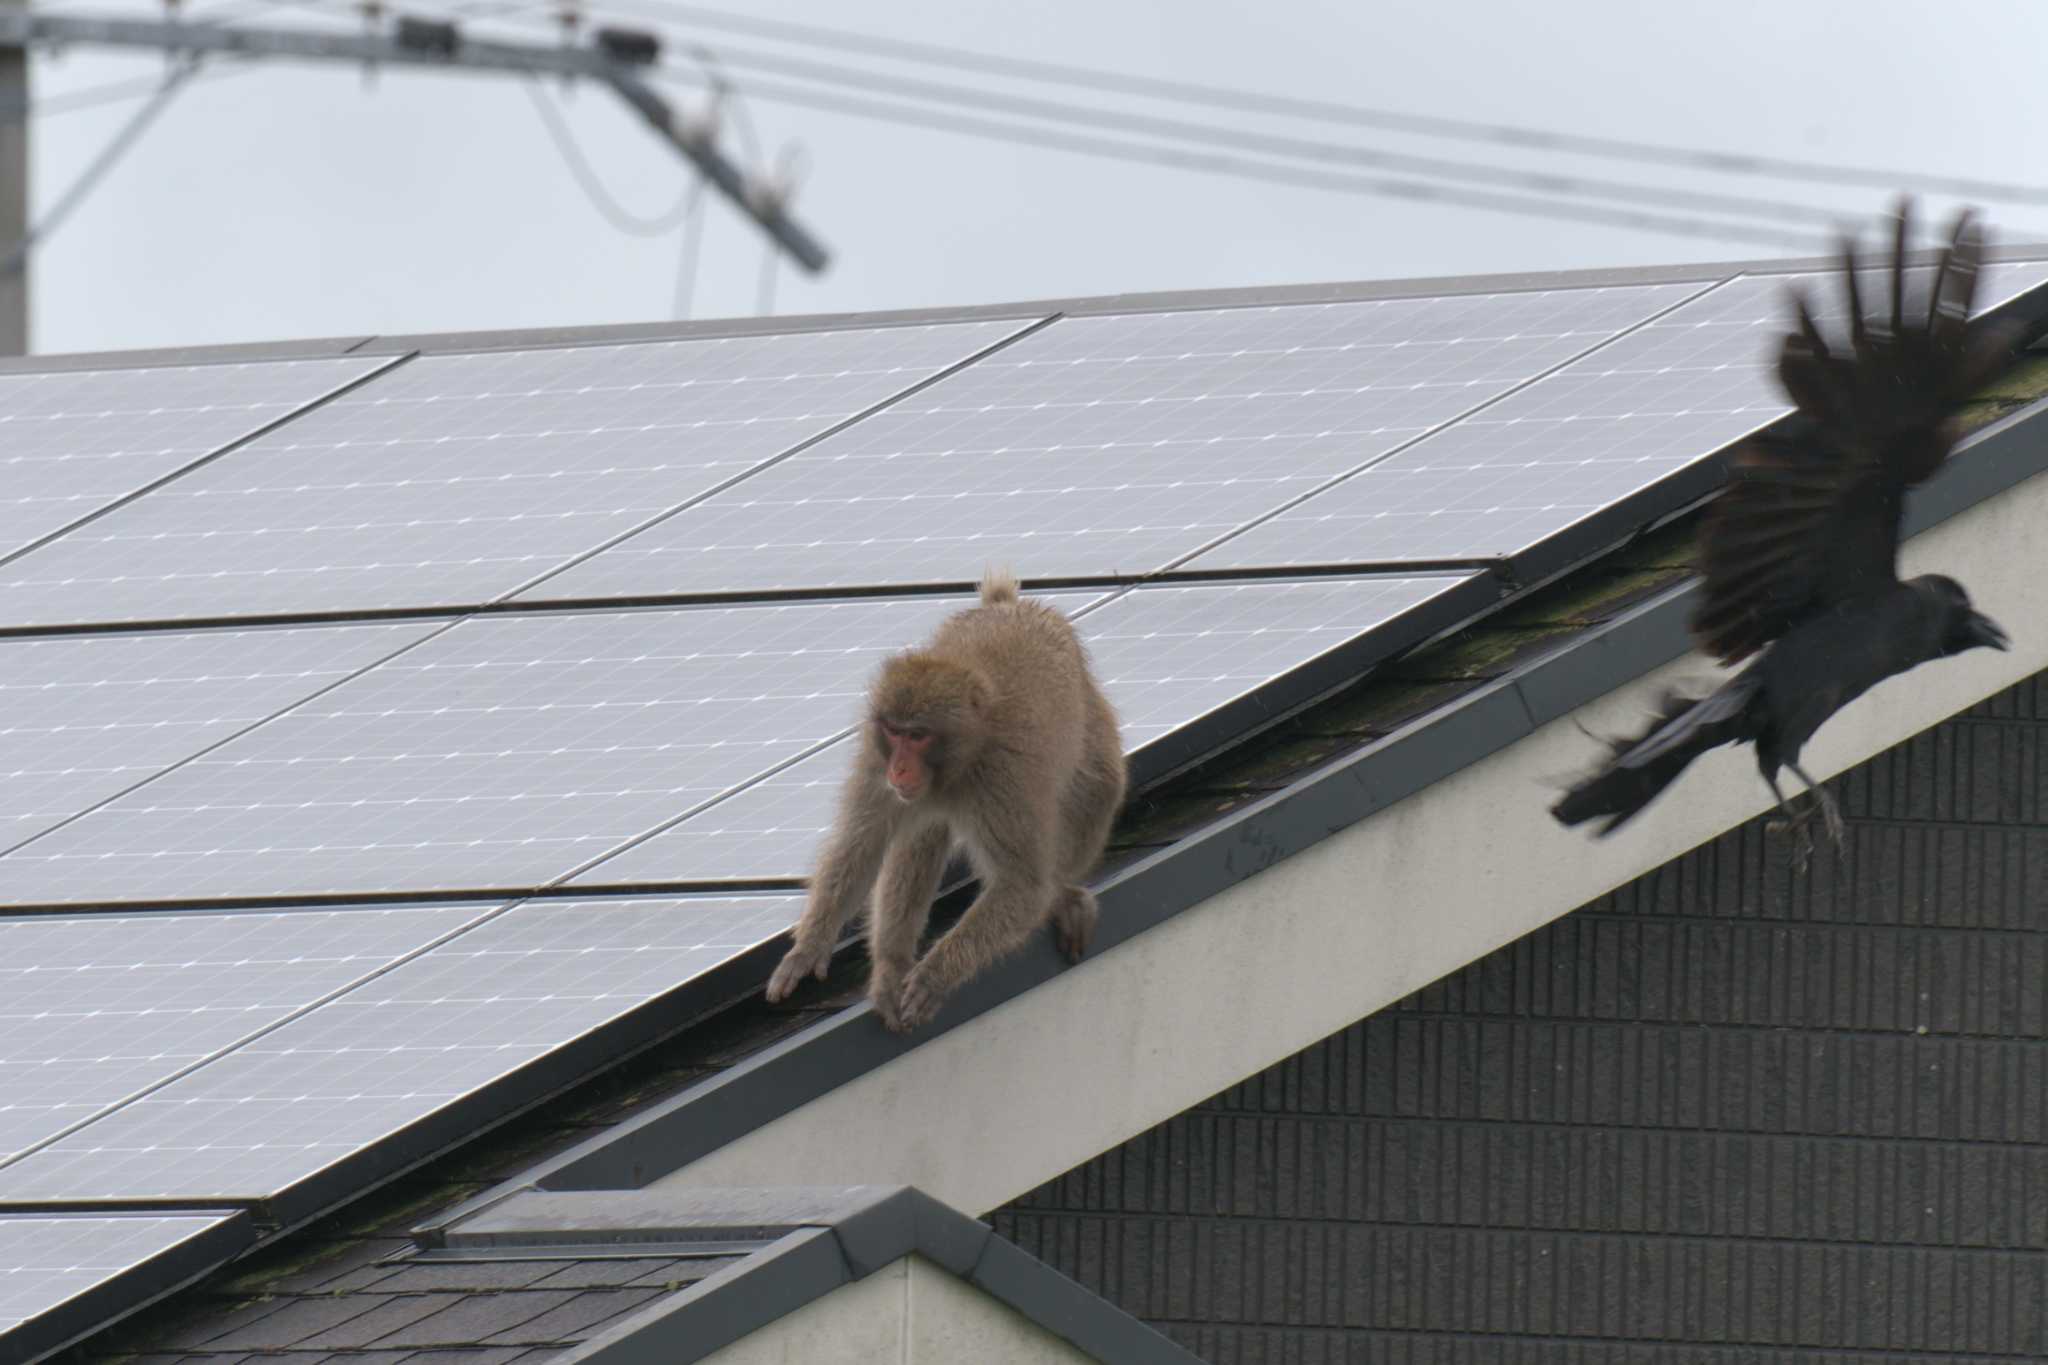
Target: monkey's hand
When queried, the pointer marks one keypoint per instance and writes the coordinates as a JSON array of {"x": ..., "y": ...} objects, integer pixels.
[
  {"x": 801, "y": 960},
  {"x": 885, "y": 989},
  {"x": 919, "y": 1000}
]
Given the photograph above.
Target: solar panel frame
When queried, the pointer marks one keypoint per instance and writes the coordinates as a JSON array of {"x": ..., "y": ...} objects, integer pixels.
[
  {"x": 565, "y": 1063},
  {"x": 193, "y": 1244},
  {"x": 456, "y": 480},
  {"x": 84, "y": 718},
  {"x": 101, "y": 1007},
  {"x": 1076, "y": 501},
  {"x": 1751, "y": 301},
  {"x": 131, "y": 412},
  {"x": 1462, "y": 598},
  {"x": 804, "y": 791},
  {"x": 1687, "y": 486},
  {"x": 557, "y": 700}
]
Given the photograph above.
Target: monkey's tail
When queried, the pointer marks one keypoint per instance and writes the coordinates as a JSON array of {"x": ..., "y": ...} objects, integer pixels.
[
  {"x": 998, "y": 586},
  {"x": 1640, "y": 767}
]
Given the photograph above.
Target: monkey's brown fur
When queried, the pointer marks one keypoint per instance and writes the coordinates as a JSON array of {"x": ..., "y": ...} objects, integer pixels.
[{"x": 1022, "y": 768}]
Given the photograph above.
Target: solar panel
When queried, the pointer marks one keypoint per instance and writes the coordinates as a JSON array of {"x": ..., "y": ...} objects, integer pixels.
[
  {"x": 1111, "y": 446},
  {"x": 434, "y": 1038},
  {"x": 73, "y": 442},
  {"x": 1582, "y": 441},
  {"x": 63, "y": 1274},
  {"x": 504, "y": 753},
  {"x": 97, "y": 1008},
  {"x": 457, "y": 478},
  {"x": 1188, "y": 668},
  {"x": 83, "y": 718}
]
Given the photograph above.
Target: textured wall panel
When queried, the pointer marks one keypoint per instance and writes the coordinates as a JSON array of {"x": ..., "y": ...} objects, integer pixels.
[{"x": 1729, "y": 1112}]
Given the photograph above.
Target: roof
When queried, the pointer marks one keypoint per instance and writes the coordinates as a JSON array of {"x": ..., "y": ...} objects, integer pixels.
[
  {"x": 808, "y": 1242},
  {"x": 320, "y": 1287},
  {"x": 1361, "y": 747}
]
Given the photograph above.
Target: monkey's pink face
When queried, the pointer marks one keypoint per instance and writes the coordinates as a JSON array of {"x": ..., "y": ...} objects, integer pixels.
[{"x": 909, "y": 772}]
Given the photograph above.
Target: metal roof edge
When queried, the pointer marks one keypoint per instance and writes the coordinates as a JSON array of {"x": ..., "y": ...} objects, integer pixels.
[
  {"x": 235, "y": 353},
  {"x": 823, "y": 1238},
  {"x": 788, "y": 1074},
  {"x": 1254, "y": 296}
]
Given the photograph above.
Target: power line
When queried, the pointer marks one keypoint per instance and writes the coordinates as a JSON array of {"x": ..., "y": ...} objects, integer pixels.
[
  {"x": 1542, "y": 182},
  {"x": 693, "y": 249},
  {"x": 573, "y": 155},
  {"x": 1294, "y": 106},
  {"x": 1183, "y": 158},
  {"x": 764, "y": 298},
  {"x": 112, "y": 92},
  {"x": 116, "y": 146}
]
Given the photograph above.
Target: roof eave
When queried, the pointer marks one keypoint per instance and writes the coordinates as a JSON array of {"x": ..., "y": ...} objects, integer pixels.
[{"x": 430, "y": 343}]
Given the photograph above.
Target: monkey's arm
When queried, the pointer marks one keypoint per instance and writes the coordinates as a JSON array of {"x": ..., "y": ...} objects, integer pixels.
[
  {"x": 1016, "y": 896},
  {"x": 859, "y": 838},
  {"x": 902, "y": 905}
]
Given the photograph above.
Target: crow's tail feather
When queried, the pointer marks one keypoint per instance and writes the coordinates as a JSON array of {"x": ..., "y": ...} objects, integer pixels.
[{"x": 1640, "y": 766}]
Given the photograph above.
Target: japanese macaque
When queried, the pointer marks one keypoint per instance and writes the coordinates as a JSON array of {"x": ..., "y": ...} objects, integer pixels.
[{"x": 994, "y": 738}]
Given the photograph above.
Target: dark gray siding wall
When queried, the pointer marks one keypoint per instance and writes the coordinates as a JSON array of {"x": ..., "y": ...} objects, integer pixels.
[{"x": 1731, "y": 1112}]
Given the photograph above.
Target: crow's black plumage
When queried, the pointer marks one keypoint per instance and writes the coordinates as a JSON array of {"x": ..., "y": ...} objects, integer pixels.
[{"x": 1799, "y": 552}]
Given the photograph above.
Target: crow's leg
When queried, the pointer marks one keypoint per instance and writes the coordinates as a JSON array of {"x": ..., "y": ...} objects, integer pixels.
[
  {"x": 1795, "y": 822},
  {"x": 1784, "y": 801},
  {"x": 1829, "y": 809}
]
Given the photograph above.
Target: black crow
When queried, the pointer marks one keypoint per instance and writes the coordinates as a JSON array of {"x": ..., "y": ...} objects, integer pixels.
[{"x": 1799, "y": 552}]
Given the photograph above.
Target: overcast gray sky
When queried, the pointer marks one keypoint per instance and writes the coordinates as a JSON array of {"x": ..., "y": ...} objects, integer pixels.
[{"x": 293, "y": 201}]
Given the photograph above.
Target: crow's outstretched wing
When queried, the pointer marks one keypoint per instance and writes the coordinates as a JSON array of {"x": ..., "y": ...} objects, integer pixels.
[{"x": 1810, "y": 517}]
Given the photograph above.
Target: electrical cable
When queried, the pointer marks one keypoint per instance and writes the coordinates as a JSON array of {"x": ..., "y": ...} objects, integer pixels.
[
  {"x": 1294, "y": 106},
  {"x": 620, "y": 217},
  {"x": 113, "y": 92},
  {"x": 764, "y": 299},
  {"x": 1541, "y": 182},
  {"x": 729, "y": 98},
  {"x": 693, "y": 248},
  {"x": 1182, "y": 158},
  {"x": 138, "y": 123}
]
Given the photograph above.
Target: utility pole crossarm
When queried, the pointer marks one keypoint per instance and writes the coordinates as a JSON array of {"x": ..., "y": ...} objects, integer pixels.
[
  {"x": 764, "y": 206},
  {"x": 22, "y": 29}
]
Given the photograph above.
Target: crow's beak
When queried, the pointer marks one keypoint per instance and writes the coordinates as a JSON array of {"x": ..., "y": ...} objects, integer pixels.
[{"x": 1982, "y": 630}]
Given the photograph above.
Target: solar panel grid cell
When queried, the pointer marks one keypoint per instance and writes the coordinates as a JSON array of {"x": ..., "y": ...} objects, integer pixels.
[
  {"x": 1590, "y": 437},
  {"x": 83, "y": 718},
  {"x": 455, "y": 479},
  {"x": 72, "y": 442},
  {"x": 95, "y": 1008},
  {"x": 1169, "y": 657},
  {"x": 46, "y": 1262},
  {"x": 1111, "y": 446},
  {"x": 425, "y": 1035},
  {"x": 504, "y": 753}
]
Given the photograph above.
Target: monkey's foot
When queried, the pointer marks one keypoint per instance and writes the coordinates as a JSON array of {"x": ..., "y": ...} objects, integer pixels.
[
  {"x": 917, "y": 1002},
  {"x": 1073, "y": 921},
  {"x": 799, "y": 961}
]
